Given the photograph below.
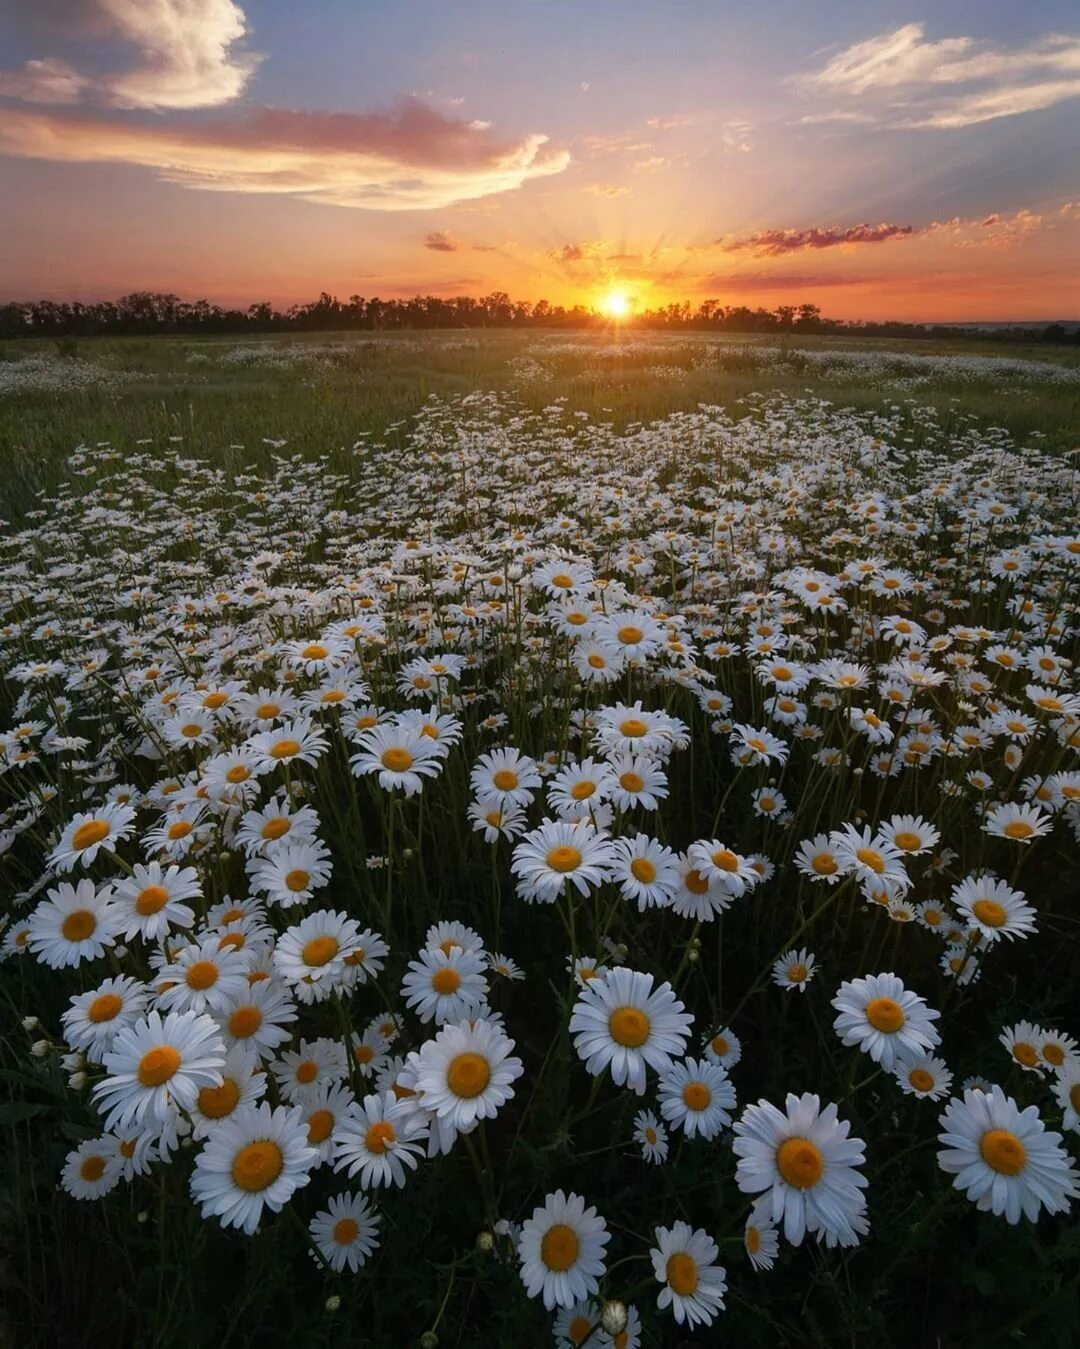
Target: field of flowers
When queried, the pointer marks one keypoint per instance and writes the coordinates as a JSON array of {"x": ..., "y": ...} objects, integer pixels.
[{"x": 535, "y": 880}]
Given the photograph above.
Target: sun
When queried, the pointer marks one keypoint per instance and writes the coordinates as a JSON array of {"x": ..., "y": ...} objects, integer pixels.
[{"x": 615, "y": 304}]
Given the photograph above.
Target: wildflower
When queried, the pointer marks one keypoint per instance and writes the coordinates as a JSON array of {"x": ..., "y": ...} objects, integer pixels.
[{"x": 561, "y": 1250}]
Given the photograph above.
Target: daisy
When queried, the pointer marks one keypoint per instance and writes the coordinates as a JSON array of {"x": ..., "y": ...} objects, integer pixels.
[
  {"x": 297, "y": 741},
  {"x": 323, "y": 1110},
  {"x": 346, "y": 1232},
  {"x": 818, "y": 859},
  {"x": 911, "y": 834},
  {"x": 1067, "y": 1091},
  {"x": 500, "y": 964},
  {"x": 177, "y": 833},
  {"x": 495, "y": 820},
  {"x": 505, "y": 776},
  {"x": 1022, "y": 1042},
  {"x": 86, "y": 834},
  {"x": 310, "y": 957},
  {"x": 400, "y": 756},
  {"x": 578, "y": 787},
  {"x": 644, "y": 870},
  {"x": 465, "y": 1073},
  {"x": 241, "y": 1085},
  {"x": 720, "y": 865},
  {"x": 794, "y": 969},
  {"x": 92, "y": 1020},
  {"x": 804, "y": 1162},
  {"x": 924, "y": 1076},
  {"x": 993, "y": 909},
  {"x": 445, "y": 936},
  {"x": 869, "y": 856},
  {"x": 445, "y": 986},
  {"x": 290, "y": 873},
  {"x": 299, "y": 1071},
  {"x": 624, "y": 1024},
  {"x": 697, "y": 1097},
  {"x": 73, "y": 923},
  {"x": 684, "y": 1261},
  {"x": 369, "y": 1051},
  {"x": 1004, "y": 1158},
  {"x": 579, "y": 1324},
  {"x": 561, "y": 1250},
  {"x": 256, "y": 1020},
  {"x": 365, "y": 959},
  {"x": 150, "y": 901},
  {"x": 558, "y": 854},
  {"x": 724, "y": 1048},
  {"x": 761, "y": 1241},
  {"x": 275, "y": 822},
  {"x": 699, "y": 897},
  {"x": 379, "y": 1139},
  {"x": 636, "y": 780},
  {"x": 92, "y": 1169},
  {"x": 1057, "y": 1049},
  {"x": 204, "y": 977},
  {"x": 883, "y": 1018},
  {"x": 256, "y": 1159},
  {"x": 651, "y": 1135},
  {"x": 157, "y": 1066},
  {"x": 232, "y": 776},
  {"x": 1020, "y": 823}
]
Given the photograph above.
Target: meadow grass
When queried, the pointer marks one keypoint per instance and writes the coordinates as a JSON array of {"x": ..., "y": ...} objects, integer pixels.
[{"x": 379, "y": 527}]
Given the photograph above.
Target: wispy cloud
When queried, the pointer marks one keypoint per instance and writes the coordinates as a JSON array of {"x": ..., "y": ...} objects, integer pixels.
[
  {"x": 776, "y": 243},
  {"x": 606, "y": 190},
  {"x": 411, "y": 158},
  {"x": 187, "y": 55},
  {"x": 912, "y": 82},
  {"x": 440, "y": 242}
]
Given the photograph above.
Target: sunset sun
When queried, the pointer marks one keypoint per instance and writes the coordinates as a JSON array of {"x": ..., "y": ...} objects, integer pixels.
[{"x": 615, "y": 304}]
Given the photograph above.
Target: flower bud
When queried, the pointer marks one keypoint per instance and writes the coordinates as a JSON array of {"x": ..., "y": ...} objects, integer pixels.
[
  {"x": 77, "y": 1081},
  {"x": 333, "y": 1302},
  {"x": 484, "y": 1242},
  {"x": 30, "y": 1023},
  {"x": 39, "y": 1048},
  {"x": 613, "y": 1318},
  {"x": 429, "y": 1340}
]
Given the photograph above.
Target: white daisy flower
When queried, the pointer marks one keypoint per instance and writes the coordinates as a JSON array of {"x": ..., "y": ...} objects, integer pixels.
[
  {"x": 346, "y": 1232},
  {"x": 697, "y": 1097},
  {"x": 378, "y": 1139},
  {"x": 465, "y": 1073},
  {"x": 883, "y": 1018},
  {"x": 73, "y": 923},
  {"x": 626, "y": 1025},
  {"x": 445, "y": 986},
  {"x": 561, "y": 1250},
  {"x": 684, "y": 1261},
  {"x": 157, "y": 1066}
]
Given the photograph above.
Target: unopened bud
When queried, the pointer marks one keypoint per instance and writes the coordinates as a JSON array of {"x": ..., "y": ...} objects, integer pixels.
[
  {"x": 39, "y": 1048},
  {"x": 224, "y": 856},
  {"x": 693, "y": 955},
  {"x": 77, "y": 1081},
  {"x": 142, "y": 1216},
  {"x": 30, "y": 1023},
  {"x": 613, "y": 1318},
  {"x": 333, "y": 1302},
  {"x": 429, "y": 1340},
  {"x": 484, "y": 1242}
]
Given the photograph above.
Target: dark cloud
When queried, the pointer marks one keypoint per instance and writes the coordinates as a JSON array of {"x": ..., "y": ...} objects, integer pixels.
[{"x": 775, "y": 243}]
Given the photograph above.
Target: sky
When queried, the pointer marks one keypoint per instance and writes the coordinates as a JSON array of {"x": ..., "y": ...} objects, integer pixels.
[{"x": 876, "y": 159}]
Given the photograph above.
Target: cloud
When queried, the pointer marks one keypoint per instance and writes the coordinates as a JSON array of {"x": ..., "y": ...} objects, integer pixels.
[
  {"x": 440, "y": 242},
  {"x": 775, "y": 243},
  {"x": 606, "y": 190},
  {"x": 411, "y": 158},
  {"x": 736, "y": 135},
  {"x": 578, "y": 252},
  {"x": 911, "y": 76},
  {"x": 668, "y": 123},
  {"x": 186, "y": 56},
  {"x": 908, "y": 80}
]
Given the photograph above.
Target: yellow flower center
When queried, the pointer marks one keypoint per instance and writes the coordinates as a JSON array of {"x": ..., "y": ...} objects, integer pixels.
[
  {"x": 397, "y": 760},
  {"x": 78, "y": 925},
  {"x": 446, "y": 981},
  {"x": 564, "y": 859},
  {"x": 257, "y": 1166},
  {"x": 468, "y": 1075},
  {"x": 643, "y": 870},
  {"x": 92, "y": 1168},
  {"x": 379, "y": 1136},
  {"x": 720, "y": 1046},
  {"x": 179, "y": 830},
  {"x": 825, "y": 864},
  {"x": 505, "y": 780},
  {"x": 871, "y": 858},
  {"x": 633, "y": 727},
  {"x": 319, "y": 950},
  {"x": 800, "y": 1163},
  {"x": 275, "y": 828},
  {"x": 1003, "y": 1152},
  {"x": 152, "y": 899},
  {"x": 217, "y": 1102},
  {"x": 158, "y": 1065},
  {"x": 202, "y": 974},
  {"x": 581, "y": 791},
  {"x": 265, "y": 711},
  {"x": 215, "y": 700},
  {"x": 307, "y": 1072},
  {"x": 297, "y": 880},
  {"x": 796, "y": 973},
  {"x": 682, "y": 1274},
  {"x": 989, "y": 912},
  {"x": 695, "y": 882},
  {"x": 1018, "y": 829},
  {"x": 725, "y": 860},
  {"x": 920, "y": 1079},
  {"x": 104, "y": 1007},
  {"x": 907, "y": 842},
  {"x": 238, "y": 773},
  {"x": 346, "y": 1230},
  {"x": 629, "y": 635},
  {"x": 629, "y": 1027},
  {"x": 631, "y": 782},
  {"x": 559, "y": 1247},
  {"x": 244, "y": 1022},
  {"x": 696, "y": 1096},
  {"x": 315, "y": 651},
  {"x": 885, "y": 1015},
  {"x": 285, "y": 749},
  {"x": 93, "y": 831},
  {"x": 1025, "y": 1054},
  {"x": 320, "y": 1126}
]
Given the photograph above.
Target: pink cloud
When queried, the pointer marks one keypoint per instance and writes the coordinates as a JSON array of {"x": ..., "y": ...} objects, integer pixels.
[
  {"x": 411, "y": 158},
  {"x": 775, "y": 243}
]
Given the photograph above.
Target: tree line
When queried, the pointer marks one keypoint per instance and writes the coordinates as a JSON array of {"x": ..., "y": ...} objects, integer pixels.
[{"x": 149, "y": 312}]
